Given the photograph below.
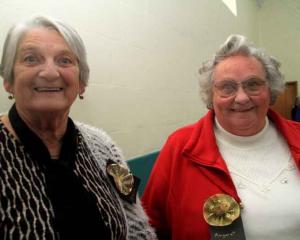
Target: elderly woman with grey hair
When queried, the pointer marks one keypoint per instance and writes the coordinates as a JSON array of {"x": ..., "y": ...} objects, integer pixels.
[
  {"x": 235, "y": 173},
  {"x": 59, "y": 179}
]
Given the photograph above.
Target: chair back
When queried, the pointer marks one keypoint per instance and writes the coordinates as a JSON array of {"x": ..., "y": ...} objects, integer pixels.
[{"x": 141, "y": 167}]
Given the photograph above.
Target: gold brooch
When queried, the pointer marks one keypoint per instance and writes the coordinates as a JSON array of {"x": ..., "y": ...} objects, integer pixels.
[
  {"x": 123, "y": 179},
  {"x": 220, "y": 210}
]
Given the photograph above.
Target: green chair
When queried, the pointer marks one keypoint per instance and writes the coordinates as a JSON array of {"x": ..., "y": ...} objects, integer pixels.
[{"x": 141, "y": 167}]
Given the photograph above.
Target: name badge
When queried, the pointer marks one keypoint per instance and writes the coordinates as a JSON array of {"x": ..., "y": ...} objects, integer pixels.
[{"x": 223, "y": 215}]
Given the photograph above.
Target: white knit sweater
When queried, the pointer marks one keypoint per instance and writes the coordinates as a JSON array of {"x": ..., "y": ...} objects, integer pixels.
[{"x": 267, "y": 182}]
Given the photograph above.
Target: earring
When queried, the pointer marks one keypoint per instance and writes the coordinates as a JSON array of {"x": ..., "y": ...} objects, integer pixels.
[
  {"x": 10, "y": 97},
  {"x": 81, "y": 96},
  {"x": 209, "y": 106}
]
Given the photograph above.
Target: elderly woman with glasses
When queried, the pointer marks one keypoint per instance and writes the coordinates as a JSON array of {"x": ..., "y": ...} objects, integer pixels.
[{"x": 235, "y": 173}]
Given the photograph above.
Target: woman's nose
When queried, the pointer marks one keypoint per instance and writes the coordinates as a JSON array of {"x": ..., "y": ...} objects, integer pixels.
[
  {"x": 241, "y": 95},
  {"x": 49, "y": 70}
]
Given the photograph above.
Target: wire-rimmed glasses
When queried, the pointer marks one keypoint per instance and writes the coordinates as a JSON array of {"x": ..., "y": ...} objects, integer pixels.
[{"x": 229, "y": 88}]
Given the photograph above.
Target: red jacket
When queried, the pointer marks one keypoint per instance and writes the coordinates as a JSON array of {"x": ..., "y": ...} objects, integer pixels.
[{"x": 189, "y": 170}]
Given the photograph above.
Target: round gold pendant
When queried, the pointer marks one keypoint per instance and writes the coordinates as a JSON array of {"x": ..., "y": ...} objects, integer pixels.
[
  {"x": 220, "y": 210},
  {"x": 123, "y": 179}
]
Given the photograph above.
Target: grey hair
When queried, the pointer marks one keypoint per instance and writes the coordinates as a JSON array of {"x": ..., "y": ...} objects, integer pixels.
[
  {"x": 17, "y": 32},
  {"x": 239, "y": 45}
]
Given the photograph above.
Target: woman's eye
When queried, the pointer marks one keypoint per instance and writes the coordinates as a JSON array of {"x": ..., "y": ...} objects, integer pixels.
[
  {"x": 30, "y": 59},
  {"x": 253, "y": 84},
  {"x": 228, "y": 87},
  {"x": 65, "y": 61}
]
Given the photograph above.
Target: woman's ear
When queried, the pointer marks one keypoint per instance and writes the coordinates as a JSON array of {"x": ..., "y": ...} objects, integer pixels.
[
  {"x": 7, "y": 86},
  {"x": 81, "y": 89}
]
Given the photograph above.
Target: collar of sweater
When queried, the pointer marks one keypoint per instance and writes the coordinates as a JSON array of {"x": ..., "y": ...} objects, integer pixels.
[{"x": 243, "y": 142}]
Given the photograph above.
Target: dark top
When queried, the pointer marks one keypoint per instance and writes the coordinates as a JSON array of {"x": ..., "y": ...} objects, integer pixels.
[{"x": 296, "y": 113}]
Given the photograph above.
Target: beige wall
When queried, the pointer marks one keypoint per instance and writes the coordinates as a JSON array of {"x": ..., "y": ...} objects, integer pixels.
[
  {"x": 279, "y": 27},
  {"x": 144, "y": 56}
]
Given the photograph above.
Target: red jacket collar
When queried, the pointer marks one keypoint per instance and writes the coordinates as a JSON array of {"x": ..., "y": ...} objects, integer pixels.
[
  {"x": 202, "y": 149},
  {"x": 202, "y": 146}
]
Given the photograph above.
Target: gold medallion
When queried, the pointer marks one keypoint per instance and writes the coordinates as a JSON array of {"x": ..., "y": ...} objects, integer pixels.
[
  {"x": 220, "y": 210},
  {"x": 123, "y": 179}
]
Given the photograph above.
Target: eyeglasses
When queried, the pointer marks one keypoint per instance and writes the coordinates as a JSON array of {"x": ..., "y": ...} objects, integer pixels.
[{"x": 229, "y": 88}]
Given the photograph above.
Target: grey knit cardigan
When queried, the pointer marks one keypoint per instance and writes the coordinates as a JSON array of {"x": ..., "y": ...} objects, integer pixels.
[
  {"x": 103, "y": 149},
  {"x": 22, "y": 186}
]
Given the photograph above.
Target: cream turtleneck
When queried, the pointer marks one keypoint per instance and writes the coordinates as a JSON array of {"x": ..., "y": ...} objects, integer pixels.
[{"x": 266, "y": 180}]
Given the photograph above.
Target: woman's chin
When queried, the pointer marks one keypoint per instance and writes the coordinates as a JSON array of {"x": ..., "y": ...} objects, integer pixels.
[{"x": 50, "y": 108}]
